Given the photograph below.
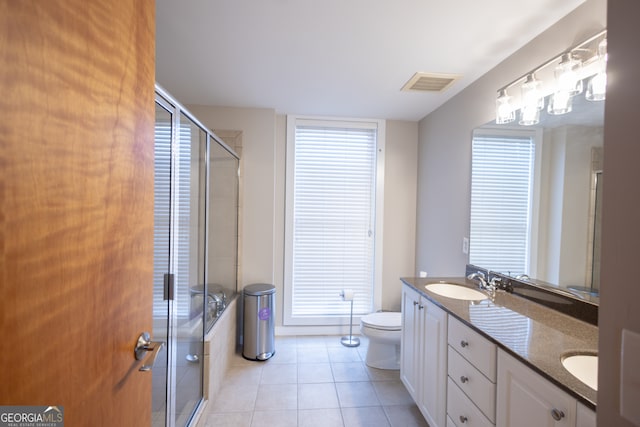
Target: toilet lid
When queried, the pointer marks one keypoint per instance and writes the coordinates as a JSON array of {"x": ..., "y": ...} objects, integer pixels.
[{"x": 387, "y": 320}]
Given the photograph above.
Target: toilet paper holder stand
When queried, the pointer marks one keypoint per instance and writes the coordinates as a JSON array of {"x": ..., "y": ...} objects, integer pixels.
[{"x": 349, "y": 341}]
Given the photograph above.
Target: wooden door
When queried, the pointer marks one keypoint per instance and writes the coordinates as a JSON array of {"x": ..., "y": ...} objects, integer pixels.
[{"x": 76, "y": 206}]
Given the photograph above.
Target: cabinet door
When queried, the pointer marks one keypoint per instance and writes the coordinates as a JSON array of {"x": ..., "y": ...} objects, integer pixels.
[
  {"x": 433, "y": 363},
  {"x": 525, "y": 399},
  {"x": 410, "y": 338},
  {"x": 585, "y": 417}
]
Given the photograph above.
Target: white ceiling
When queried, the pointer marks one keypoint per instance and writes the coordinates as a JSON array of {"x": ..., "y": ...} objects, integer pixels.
[{"x": 346, "y": 58}]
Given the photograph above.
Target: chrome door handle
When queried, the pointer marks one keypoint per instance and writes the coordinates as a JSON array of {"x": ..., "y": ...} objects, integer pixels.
[{"x": 146, "y": 346}]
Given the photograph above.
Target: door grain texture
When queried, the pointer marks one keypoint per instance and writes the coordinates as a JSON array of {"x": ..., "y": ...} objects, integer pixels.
[{"x": 76, "y": 206}]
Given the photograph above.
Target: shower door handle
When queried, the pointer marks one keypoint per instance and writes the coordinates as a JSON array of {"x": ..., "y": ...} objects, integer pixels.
[{"x": 145, "y": 346}]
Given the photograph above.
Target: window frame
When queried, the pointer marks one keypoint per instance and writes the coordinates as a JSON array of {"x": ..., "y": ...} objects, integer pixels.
[{"x": 378, "y": 205}]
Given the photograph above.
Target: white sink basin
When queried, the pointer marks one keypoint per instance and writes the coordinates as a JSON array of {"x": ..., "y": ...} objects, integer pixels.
[
  {"x": 584, "y": 367},
  {"x": 451, "y": 290}
]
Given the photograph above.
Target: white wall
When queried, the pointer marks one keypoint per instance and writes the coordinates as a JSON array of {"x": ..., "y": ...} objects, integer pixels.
[
  {"x": 263, "y": 212},
  {"x": 445, "y": 143},
  {"x": 258, "y": 199},
  {"x": 401, "y": 164}
]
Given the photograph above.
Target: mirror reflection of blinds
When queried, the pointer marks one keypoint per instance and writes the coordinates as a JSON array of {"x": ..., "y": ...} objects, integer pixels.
[
  {"x": 162, "y": 216},
  {"x": 333, "y": 207},
  {"x": 511, "y": 328},
  {"x": 501, "y": 197}
]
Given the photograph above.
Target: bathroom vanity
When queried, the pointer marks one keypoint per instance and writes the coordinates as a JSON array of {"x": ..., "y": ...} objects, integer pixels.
[
  {"x": 423, "y": 360},
  {"x": 497, "y": 360}
]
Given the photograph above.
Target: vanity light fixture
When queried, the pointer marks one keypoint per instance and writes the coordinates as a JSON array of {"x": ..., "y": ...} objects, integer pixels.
[
  {"x": 532, "y": 101},
  {"x": 581, "y": 61},
  {"x": 568, "y": 84},
  {"x": 566, "y": 74},
  {"x": 597, "y": 86},
  {"x": 505, "y": 113},
  {"x": 560, "y": 103}
]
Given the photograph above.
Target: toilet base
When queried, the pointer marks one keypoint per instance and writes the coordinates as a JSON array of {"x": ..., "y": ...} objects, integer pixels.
[{"x": 383, "y": 356}]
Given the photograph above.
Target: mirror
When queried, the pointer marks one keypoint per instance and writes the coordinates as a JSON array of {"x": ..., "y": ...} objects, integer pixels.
[{"x": 559, "y": 245}]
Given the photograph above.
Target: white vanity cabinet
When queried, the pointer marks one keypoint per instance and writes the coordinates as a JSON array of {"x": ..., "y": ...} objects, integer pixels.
[
  {"x": 471, "y": 391},
  {"x": 423, "y": 367},
  {"x": 585, "y": 417},
  {"x": 526, "y": 399}
]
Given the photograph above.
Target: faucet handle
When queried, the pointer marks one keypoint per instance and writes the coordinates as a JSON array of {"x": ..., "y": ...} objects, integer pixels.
[{"x": 500, "y": 283}]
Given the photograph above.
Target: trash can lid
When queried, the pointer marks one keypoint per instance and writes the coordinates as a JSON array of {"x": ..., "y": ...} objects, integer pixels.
[{"x": 259, "y": 289}]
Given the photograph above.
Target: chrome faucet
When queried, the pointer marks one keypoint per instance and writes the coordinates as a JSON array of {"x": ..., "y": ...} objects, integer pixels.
[
  {"x": 217, "y": 302},
  {"x": 495, "y": 283},
  {"x": 482, "y": 279}
]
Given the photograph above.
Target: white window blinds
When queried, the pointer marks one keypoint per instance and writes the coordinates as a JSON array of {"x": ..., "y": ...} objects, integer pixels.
[
  {"x": 330, "y": 222},
  {"x": 501, "y": 202}
]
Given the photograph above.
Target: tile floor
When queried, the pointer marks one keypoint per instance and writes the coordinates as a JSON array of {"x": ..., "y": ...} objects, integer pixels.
[{"x": 311, "y": 381}]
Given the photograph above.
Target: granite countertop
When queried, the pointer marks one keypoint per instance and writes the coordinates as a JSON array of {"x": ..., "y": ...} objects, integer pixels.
[{"x": 537, "y": 335}]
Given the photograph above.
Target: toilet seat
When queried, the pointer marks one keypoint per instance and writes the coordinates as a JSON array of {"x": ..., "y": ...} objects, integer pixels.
[{"x": 384, "y": 321}]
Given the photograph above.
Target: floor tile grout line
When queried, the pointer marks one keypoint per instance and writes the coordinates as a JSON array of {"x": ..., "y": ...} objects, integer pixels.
[{"x": 332, "y": 362}]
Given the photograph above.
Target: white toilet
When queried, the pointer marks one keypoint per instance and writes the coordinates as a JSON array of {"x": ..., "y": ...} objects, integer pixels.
[{"x": 384, "y": 330}]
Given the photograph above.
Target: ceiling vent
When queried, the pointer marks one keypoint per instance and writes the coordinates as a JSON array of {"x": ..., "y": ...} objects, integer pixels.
[{"x": 430, "y": 82}]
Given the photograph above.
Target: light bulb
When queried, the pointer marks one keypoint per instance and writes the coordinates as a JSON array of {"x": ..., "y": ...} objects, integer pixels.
[
  {"x": 532, "y": 102},
  {"x": 531, "y": 96},
  {"x": 560, "y": 103},
  {"x": 529, "y": 115},
  {"x": 504, "y": 110},
  {"x": 566, "y": 74},
  {"x": 597, "y": 87}
]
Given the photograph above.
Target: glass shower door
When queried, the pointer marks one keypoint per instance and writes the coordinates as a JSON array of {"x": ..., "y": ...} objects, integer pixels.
[
  {"x": 179, "y": 293},
  {"x": 189, "y": 268},
  {"x": 161, "y": 259}
]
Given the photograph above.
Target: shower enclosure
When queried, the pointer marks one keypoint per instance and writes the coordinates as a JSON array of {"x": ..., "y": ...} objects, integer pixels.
[{"x": 195, "y": 253}]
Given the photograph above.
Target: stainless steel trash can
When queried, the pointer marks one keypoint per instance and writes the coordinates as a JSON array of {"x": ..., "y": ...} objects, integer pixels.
[{"x": 259, "y": 322}]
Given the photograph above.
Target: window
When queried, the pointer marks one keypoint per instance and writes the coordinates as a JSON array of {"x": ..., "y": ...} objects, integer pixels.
[
  {"x": 502, "y": 200},
  {"x": 331, "y": 218}
]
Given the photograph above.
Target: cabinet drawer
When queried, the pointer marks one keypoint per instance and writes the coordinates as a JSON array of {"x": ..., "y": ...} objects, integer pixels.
[
  {"x": 462, "y": 411},
  {"x": 473, "y": 347},
  {"x": 473, "y": 383}
]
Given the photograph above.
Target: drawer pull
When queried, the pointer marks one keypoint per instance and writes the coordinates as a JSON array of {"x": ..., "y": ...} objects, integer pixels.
[
  {"x": 421, "y": 306},
  {"x": 557, "y": 414},
  {"x": 415, "y": 303},
  {"x": 464, "y": 343},
  {"x": 464, "y": 379},
  {"x": 463, "y": 419}
]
